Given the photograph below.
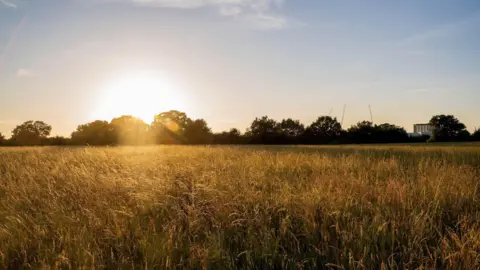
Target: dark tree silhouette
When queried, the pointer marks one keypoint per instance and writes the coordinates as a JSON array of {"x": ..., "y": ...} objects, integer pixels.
[
  {"x": 31, "y": 133},
  {"x": 234, "y": 133},
  {"x": 233, "y": 136},
  {"x": 264, "y": 125},
  {"x": 362, "y": 132},
  {"x": 465, "y": 135},
  {"x": 94, "y": 133},
  {"x": 447, "y": 128},
  {"x": 57, "y": 140},
  {"x": 324, "y": 130},
  {"x": 388, "y": 133},
  {"x": 476, "y": 135},
  {"x": 169, "y": 127},
  {"x": 198, "y": 132},
  {"x": 291, "y": 130},
  {"x": 175, "y": 127},
  {"x": 174, "y": 120},
  {"x": 264, "y": 130},
  {"x": 130, "y": 130}
]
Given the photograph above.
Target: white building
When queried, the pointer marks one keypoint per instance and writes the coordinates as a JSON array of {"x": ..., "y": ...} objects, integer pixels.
[{"x": 421, "y": 128}]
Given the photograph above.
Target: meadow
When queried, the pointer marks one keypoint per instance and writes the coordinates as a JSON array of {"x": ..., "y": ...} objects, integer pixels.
[{"x": 186, "y": 207}]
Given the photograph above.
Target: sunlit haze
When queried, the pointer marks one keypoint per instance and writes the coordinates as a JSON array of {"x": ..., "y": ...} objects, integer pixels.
[
  {"x": 69, "y": 62},
  {"x": 140, "y": 94}
]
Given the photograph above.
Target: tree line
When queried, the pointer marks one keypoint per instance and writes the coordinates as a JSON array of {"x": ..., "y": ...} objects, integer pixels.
[{"x": 175, "y": 127}]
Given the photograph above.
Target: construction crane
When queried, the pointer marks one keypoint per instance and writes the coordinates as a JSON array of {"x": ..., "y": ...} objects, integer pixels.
[
  {"x": 343, "y": 115},
  {"x": 371, "y": 115}
]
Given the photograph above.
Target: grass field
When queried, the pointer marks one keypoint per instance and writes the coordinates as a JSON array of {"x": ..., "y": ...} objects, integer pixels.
[{"x": 345, "y": 207}]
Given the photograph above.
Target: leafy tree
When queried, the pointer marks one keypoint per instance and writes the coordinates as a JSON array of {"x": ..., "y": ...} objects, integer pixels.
[
  {"x": 476, "y": 135},
  {"x": 264, "y": 125},
  {"x": 169, "y": 127},
  {"x": 57, "y": 140},
  {"x": 388, "y": 133},
  {"x": 130, "y": 130},
  {"x": 366, "y": 132},
  {"x": 362, "y": 132},
  {"x": 94, "y": 133},
  {"x": 198, "y": 132},
  {"x": 2, "y": 139},
  {"x": 234, "y": 133},
  {"x": 325, "y": 129},
  {"x": 447, "y": 128},
  {"x": 292, "y": 128},
  {"x": 233, "y": 136},
  {"x": 464, "y": 135},
  {"x": 31, "y": 133},
  {"x": 264, "y": 130},
  {"x": 173, "y": 120}
]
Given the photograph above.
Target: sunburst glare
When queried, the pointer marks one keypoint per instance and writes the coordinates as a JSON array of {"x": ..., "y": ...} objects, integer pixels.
[{"x": 141, "y": 94}]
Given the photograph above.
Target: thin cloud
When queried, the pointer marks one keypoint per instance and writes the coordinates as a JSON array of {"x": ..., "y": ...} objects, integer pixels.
[
  {"x": 265, "y": 21},
  {"x": 259, "y": 5},
  {"x": 230, "y": 11},
  {"x": 259, "y": 14},
  {"x": 8, "y": 4},
  {"x": 22, "y": 73}
]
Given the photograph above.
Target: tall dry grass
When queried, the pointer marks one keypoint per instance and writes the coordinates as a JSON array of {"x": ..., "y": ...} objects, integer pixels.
[{"x": 240, "y": 207}]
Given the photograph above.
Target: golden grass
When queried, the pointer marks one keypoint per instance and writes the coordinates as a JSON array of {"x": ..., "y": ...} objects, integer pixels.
[{"x": 240, "y": 207}]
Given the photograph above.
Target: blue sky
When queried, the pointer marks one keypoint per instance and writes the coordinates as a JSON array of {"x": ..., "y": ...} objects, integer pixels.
[{"x": 229, "y": 61}]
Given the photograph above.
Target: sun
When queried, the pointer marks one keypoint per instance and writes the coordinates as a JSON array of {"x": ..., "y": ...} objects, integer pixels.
[{"x": 142, "y": 94}]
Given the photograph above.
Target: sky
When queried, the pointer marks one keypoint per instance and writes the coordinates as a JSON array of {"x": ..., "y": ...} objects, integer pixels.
[{"x": 68, "y": 62}]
